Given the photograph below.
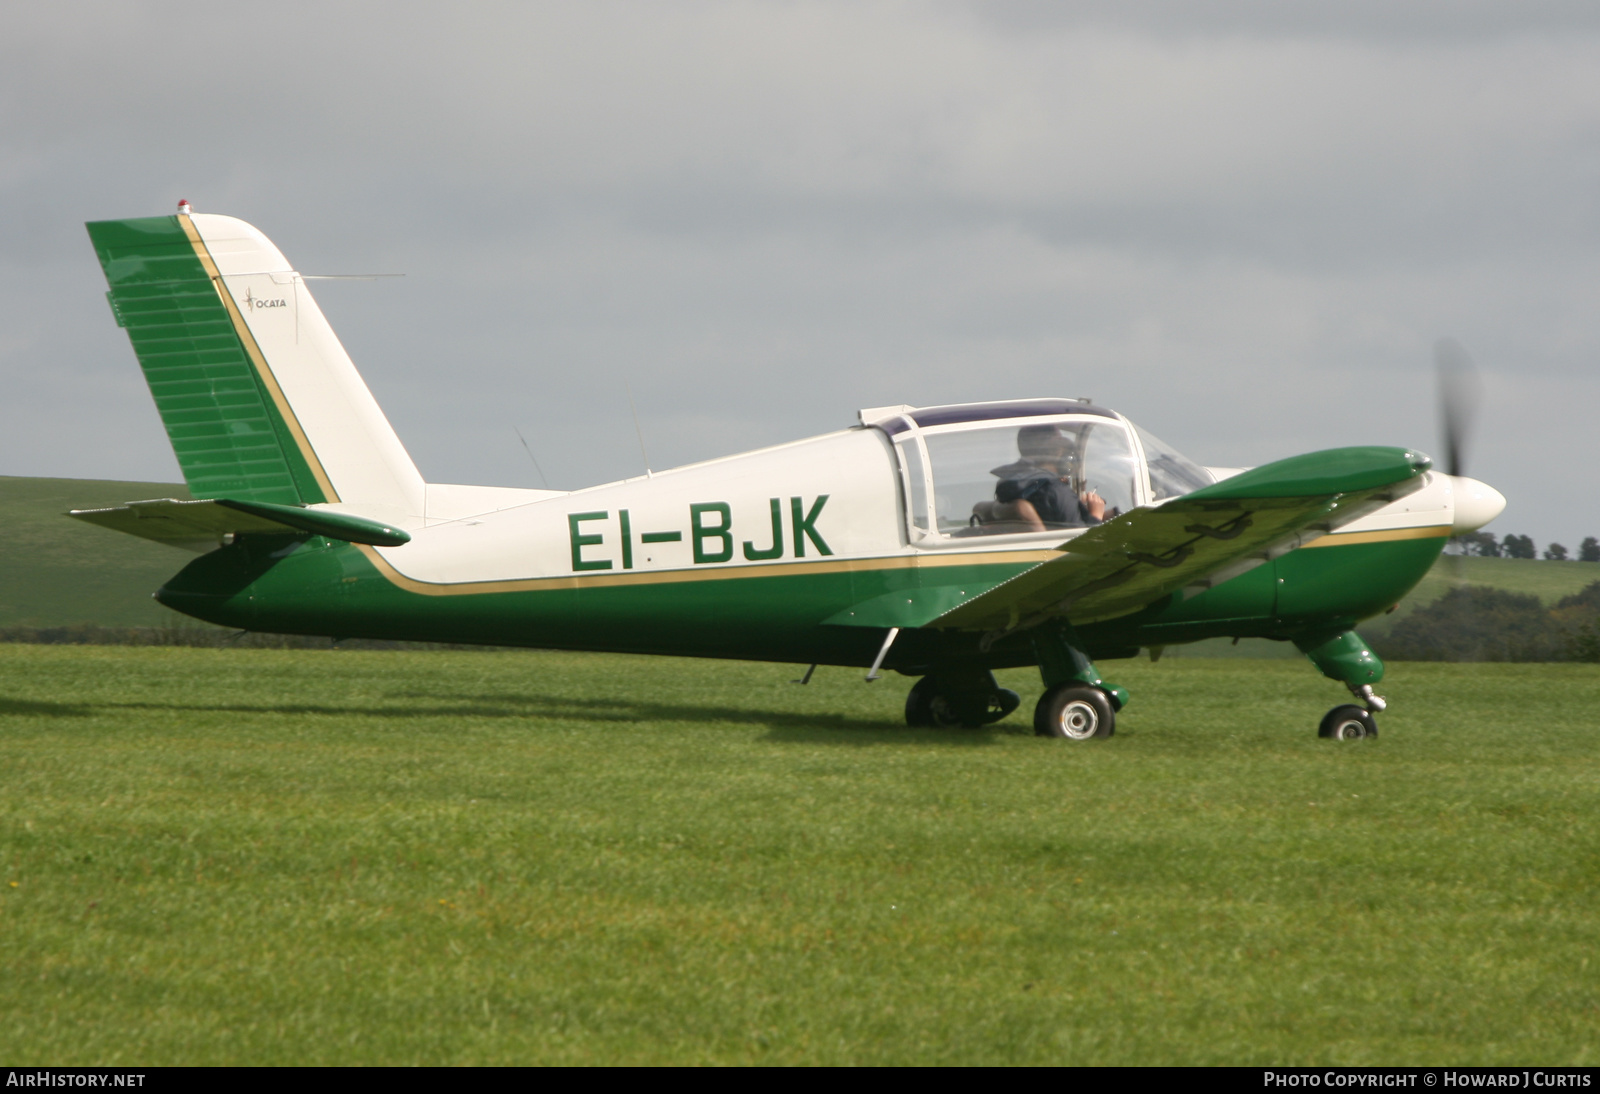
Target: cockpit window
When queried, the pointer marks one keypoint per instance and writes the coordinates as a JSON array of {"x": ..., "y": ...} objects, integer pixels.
[
  {"x": 1171, "y": 473},
  {"x": 1033, "y": 477}
]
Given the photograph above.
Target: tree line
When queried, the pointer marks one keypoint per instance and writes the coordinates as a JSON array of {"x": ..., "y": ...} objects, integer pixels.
[
  {"x": 1479, "y": 623},
  {"x": 1484, "y": 545}
]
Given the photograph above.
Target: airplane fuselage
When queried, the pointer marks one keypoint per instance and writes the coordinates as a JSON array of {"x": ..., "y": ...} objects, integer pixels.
[{"x": 760, "y": 556}]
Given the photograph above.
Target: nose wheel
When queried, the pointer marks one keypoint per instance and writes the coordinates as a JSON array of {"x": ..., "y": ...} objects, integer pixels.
[
  {"x": 1348, "y": 723},
  {"x": 1347, "y": 659}
]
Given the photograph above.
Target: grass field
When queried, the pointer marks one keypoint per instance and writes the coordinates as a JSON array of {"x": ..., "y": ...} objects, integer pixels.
[
  {"x": 213, "y": 857},
  {"x": 56, "y": 571}
]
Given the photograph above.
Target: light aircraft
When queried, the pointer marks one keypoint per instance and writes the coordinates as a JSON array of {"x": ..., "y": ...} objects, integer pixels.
[{"x": 942, "y": 542}]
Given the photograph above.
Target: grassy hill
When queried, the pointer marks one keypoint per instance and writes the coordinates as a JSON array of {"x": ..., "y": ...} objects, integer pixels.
[
  {"x": 1549, "y": 581},
  {"x": 56, "y": 571}
]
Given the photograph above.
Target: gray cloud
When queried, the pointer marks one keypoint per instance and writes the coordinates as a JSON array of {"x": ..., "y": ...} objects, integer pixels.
[{"x": 1245, "y": 230}]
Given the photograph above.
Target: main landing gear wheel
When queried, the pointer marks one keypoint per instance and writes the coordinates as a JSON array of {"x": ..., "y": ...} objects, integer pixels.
[
  {"x": 1075, "y": 712},
  {"x": 1347, "y": 723},
  {"x": 933, "y": 703}
]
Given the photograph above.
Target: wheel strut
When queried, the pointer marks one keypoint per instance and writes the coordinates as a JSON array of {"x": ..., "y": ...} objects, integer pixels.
[
  {"x": 1376, "y": 704},
  {"x": 1077, "y": 704}
]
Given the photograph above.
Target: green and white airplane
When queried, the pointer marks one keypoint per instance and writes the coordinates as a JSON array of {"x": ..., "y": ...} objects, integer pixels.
[{"x": 941, "y": 542}]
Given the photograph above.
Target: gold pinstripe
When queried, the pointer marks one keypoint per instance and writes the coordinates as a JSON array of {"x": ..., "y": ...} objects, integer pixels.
[
  {"x": 673, "y": 577},
  {"x": 1387, "y": 535},
  {"x": 259, "y": 360}
]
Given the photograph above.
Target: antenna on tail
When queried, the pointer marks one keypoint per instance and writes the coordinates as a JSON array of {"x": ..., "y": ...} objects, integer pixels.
[
  {"x": 636, "y": 427},
  {"x": 529, "y": 451}
]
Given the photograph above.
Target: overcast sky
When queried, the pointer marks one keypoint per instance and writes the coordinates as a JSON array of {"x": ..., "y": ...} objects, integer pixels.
[{"x": 1242, "y": 224}]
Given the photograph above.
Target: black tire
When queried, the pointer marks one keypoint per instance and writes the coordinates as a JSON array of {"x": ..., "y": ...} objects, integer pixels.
[
  {"x": 927, "y": 706},
  {"x": 1003, "y": 702},
  {"x": 1347, "y": 723},
  {"x": 931, "y": 703},
  {"x": 1074, "y": 712}
]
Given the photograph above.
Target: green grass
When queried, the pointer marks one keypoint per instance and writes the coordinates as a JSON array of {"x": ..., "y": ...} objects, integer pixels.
[
  {"x": 224, "y": 857},
  {"x": 56, "y": 571}
]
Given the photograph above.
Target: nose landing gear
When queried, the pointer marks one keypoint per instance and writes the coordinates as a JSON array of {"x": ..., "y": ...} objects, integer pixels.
[{"x": 1346, "y": 658}]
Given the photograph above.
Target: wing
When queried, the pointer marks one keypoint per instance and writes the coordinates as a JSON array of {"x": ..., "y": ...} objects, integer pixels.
[
  {"x": 1200, "y": 539},
  {"x": 198, "y": 525}
]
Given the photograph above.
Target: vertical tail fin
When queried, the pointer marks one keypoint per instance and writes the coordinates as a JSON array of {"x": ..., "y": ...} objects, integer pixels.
[{"x": 259, "y": 399}]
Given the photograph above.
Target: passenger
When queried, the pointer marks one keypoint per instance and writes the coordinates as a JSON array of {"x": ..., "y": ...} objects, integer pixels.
[{"x": 1038, "y": 487}]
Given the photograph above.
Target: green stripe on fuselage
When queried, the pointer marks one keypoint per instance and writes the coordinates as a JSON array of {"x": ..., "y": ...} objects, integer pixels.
[
  {"x": 318, "y": 587},
  {"x": 1351, "y": 582}
]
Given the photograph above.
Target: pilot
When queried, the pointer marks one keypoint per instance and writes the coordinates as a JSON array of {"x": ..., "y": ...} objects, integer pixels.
[{"x": 1038, "y": 487}]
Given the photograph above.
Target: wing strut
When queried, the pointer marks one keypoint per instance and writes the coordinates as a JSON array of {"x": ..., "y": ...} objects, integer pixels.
[{"x": 888, "y": 640}]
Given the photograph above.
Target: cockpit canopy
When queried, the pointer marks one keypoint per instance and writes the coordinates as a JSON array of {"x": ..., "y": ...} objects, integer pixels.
[{"x": 1026, "y": 467}]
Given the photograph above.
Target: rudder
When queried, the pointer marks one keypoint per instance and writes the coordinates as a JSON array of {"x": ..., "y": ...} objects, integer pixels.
[{"x": 259, "y": 399}]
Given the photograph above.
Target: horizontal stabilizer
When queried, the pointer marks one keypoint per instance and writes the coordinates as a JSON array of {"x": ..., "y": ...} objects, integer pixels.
[{"x": 199, "y": 525}]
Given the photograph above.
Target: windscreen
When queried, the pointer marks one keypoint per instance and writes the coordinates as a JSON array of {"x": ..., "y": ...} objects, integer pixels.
[{"x": 1171, "y": 473}]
